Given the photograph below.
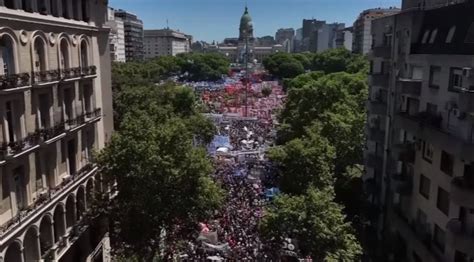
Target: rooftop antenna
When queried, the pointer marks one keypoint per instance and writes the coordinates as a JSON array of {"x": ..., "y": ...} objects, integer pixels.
[{"x": 167, "y": 24}]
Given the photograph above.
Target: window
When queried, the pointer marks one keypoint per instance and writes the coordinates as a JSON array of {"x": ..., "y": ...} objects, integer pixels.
[
  {"x": 455, "y": 83},
  {"x": 417, "y": 72},
  {"x": 447, "y": 163},
  {"x": 435, "y": 76},
  {"x": 88, "y": 98},
  {"x": 84, "y": 54},
  {"x": 425, "y": 37},
  {"x": 425, "y": 186},
  {"x": 40, "y": 59},
  {"x": 439, "y": 237},
  {"x": 428, "y": 152},
  {"x": 442, "y": 201},
  {"x": 449, "y": 37},
  {"x": 68, "y": 103},
  {"x": 432, "y": 108},
  {"x": 10, "y": 117},
  {"x": 433, "y": 36},
  {"x": 64, "y": 54},
  {"x": 5, "y": 187},
  {"x": 44, "y": 105}
]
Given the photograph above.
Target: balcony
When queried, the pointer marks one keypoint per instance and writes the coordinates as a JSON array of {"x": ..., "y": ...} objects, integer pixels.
[
  {"x": 94, "y": 114},
  {"x": 13, "y": 149},
  {"x": 14, "y": 81},
  {"x": 44, "y": 204},
  {"x": 48, "y": 134},
  {"x": 417, "y": 235},
  {"x": 44, "y": 77},
  {"x": 374, "y": 161},
  {"x": 377, "y": 135},
  {"x": 78, "y": 72},
  {"x": 379, "y": 79},
  {"x": 410, "y": 86},
  {"x": 427, "y": 126},
  {"x": 382, "y": 51},
  {"x": 462, "y": 192},
  {"x": 460, "y": 237}
]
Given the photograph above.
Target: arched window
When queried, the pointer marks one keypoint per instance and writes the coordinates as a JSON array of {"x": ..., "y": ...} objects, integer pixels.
[
  {"x": 84, "y": 54},
  {"x": 64, "y": 54},
  {"x": 66, "y": 9},
  {"x": 39, "y": 55},
  {"x": 9, "y": 4},
  {"x": 42, "y": 7},
  {"x": 7, "y": 65}
]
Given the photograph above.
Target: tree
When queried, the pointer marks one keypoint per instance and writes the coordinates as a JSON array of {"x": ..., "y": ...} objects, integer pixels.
[
  {"x": 155, "y": 159},
  {"x": 304, "y": 162},
  {"x": 283, "y": 65},
  {"x": 339, "y": 60},
  {"x": 316, "y": 222}
]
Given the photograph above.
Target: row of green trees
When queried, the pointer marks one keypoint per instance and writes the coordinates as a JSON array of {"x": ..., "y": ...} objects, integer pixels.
[
  {"x": 157, "y": 159},
  {"x": 285, "y": 65},
  {"x": 189, "y": 66},
  {"x": 319, "y": 152}
]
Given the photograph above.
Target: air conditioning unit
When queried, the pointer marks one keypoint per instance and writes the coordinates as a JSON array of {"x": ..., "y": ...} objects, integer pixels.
[{"x": 466, "y": 72}]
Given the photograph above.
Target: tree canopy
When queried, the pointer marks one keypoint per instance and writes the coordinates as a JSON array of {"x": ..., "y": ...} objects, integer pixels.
[
  {"x": 316, "y": 222},
  {"x": 320, "y": 142},
  {"x": 154, "y": 158}
]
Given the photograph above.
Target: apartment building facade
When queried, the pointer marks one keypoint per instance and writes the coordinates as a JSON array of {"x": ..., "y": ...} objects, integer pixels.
[
  {"x": 165, "y": 42},
  {"x": 420, "y": 132},
  {"x": 56, "y": 109},
  {"x": 116, "y": 37},
  {"x": 362, "y": 36},
  {"x": 133, "y": 35}
]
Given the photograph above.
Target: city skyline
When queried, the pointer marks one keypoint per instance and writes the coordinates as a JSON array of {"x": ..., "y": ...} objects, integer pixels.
[{"x": 210, "y": 20}]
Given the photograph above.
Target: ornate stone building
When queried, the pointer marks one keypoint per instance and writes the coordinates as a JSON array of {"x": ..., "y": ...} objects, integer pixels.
[
  {"x": 236, "y": 52},
  {"x": 55, "y": 110}
]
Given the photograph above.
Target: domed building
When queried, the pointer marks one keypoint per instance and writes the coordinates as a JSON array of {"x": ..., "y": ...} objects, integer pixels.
[
  {"x": 236, "y": 48},
  {"x": 246, "y": 26}
]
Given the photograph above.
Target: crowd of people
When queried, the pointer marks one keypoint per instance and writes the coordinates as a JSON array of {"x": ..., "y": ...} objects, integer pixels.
[{"x": 243, "y": 173}]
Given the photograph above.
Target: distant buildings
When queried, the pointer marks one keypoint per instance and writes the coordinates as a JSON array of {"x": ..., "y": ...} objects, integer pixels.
[
  {"x": 286, "y": 37},
  {"x": 235, "y": 48},
  {"x": 165, "y": 42},
  {"x": 318, "y": 36},
  {"x": 133, "y": 35},
  {"x": 116, "y": 37},
  {"x": 362, "y": 41},
  {"x": 343, "y": 38}
]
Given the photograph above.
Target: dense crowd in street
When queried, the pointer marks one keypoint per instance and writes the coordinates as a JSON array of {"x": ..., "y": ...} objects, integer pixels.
[{"x": 245, "y": 175}]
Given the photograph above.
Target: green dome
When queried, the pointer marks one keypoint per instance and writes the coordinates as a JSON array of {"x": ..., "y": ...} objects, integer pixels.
[
  {"x": 246, "y": 19},
  {"x": 246, "y": 26}
]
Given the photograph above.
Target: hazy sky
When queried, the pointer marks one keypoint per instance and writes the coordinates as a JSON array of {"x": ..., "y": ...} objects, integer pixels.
[{"x": 216, "y": 19}]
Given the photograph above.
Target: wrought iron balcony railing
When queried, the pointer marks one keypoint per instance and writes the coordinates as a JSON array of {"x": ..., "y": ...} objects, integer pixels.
[{"x": 14, "y": 81}]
